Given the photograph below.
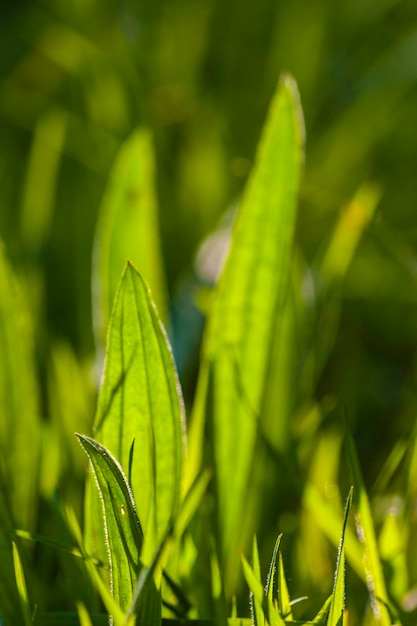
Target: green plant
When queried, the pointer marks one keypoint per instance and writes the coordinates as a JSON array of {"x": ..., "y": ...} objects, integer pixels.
[{"x": 172, "y": 507}]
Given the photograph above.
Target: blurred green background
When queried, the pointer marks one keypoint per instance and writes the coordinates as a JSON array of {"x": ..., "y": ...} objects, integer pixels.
[{"x": 78, "y": 78}]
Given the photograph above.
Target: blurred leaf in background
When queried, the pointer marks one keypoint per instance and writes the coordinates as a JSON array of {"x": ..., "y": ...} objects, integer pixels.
[{"x": 146, "y": 116}]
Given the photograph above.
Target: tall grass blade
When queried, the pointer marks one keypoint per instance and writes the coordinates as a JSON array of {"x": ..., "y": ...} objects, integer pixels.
[
  {"x": 250, "y": 294},
  {"x": 366, "y": 533},
  {"x": 140, "y": 399},
  {"x": 257, "y": 592},
  {"x": 271, "y": 580},
  {"x": 284, "y": 603},
  {"x": 20, "y": 425},
  {"x": 337, "y": 603},
  {"x": 21, "y": 586}
]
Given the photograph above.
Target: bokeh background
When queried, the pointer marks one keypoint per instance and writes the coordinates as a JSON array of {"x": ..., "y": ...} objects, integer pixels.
[{"x": 190, "y": 81}]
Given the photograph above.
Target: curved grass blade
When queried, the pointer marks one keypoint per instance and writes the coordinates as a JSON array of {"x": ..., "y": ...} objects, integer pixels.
[
  {"x": 21, "y": 587},
  {"x": 123, "y": 530},
  {"x": 337, "y": 603},
  {"x": 250, "y": 294},
  {"x": 20, "y": 425},
  {"x": 366, "y": 533},
  {"x": 140, "y": 399},
  {"x": 271, "y": 580}
]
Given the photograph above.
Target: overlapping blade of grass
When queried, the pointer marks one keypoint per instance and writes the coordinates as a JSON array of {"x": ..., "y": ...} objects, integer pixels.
[
  {"x": 329, "y": 523},
  {"x": 127, "y": 229},
  {"x": 265, "y": 609},
  {"x": 337, "y": 604},
  {"x": 123, "y": 530},
  {"x": 250, "y": 294},
  {"x": 140, "y": 410},
  {"x": 366, "y": 533},
  {"x": 19, "y": 424}
]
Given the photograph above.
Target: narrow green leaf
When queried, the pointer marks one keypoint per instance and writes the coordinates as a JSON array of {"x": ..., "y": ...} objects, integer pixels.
[
  {"x": 21, "y": 586},
  {"x": 141, "y": 400},
  {"x": 123, "y": 530},
  {"x": 257, "y": 592},
  {"x": 250, "y": 294},
  {"x": 337, "y": 603},
  {"x": 19, "y": 424},
  {"x": 284, "y": 603},
  {"x": 83, "y": 615},
  {"x": 366, "y": 533},
  {"x": 321, "y": 617},
  {"x": 271, "y": 580},
  {"x": 10, "y": 608},
  {"x": 258, "y": 600},
  {"x": 329, "y": 522}
]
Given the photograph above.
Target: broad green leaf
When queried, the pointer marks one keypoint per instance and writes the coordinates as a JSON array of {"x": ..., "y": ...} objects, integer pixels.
[
  {"x": 20, "y": 425},
  {"x": 337, "y": 604},
  {"x": 128, "y": 228},
  {"x": 140, "y": 401},
  {"x": 251, "y": 293},
  {"x": 123, "y": 530},
  {"x": 366, "y": 533}
]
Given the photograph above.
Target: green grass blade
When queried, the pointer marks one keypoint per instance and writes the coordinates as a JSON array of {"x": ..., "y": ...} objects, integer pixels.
[
  {"x": 321, "y": 617},
  {"x": 141, "y": 400},
  {"x": 257, "y": 592},
  {"x": 250, "y": 294},
  {"x": 83, "y": 615},
  {"x": 271, "y": 580},
  {"x": 284, "y": 603},
  {"x": 366, "y": 533},
  {"x": 123, "y": 530},
  {"x": 9, "y": 608},
  {"x": 329, "y": 523},
  {"x": 337, "y": 603},
  {"x": 20, "y": 425},
  {"x": 21, "y": 586},
  {"x": 128, "y": 229}
]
